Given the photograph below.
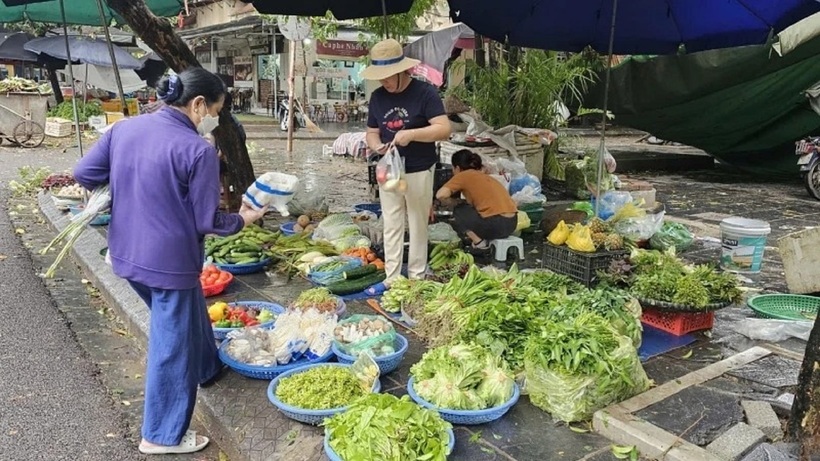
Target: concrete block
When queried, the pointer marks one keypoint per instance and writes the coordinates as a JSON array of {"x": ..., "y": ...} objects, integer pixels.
[
  {"x": 736, "y": 442},
  {"x": 766, "y": 452},
  {"x": 762, "y": 416}
]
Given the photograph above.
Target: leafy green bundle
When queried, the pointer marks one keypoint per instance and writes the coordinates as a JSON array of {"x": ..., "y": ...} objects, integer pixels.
[
  {"x": 462, "y": 377},
  {"x": 384, "y": 427}
]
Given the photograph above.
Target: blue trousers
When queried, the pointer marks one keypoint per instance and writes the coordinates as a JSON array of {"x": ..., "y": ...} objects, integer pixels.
[{"x": 181, "y": 354}]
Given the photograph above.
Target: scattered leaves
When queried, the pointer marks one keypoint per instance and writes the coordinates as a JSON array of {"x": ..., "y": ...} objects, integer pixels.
[
  {"x": 629, "y": 452},
  {"x": 120, "y": 332},
  {"x": 126, "y": 403},
  {"x": 475, "y": 437},
  {"x": 579, "y": 430},
  {"x": 19, "y": 231},
  {"x": 687, "y": 355}
]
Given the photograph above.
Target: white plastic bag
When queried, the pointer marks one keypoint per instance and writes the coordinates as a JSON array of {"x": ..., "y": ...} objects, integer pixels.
[
  {"x": 390, "y": 171},
  {"x": 275, "y": 189},
  {"x": 529, "y": 195},
  {"x": 640, "y": 228},
  {"x": 773, "y": 330}
]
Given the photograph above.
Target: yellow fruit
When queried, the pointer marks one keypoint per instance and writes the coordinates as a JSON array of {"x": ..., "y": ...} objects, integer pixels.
[
  {"x": 218, "y": 311},
  {"x": 559, "y": 235}
]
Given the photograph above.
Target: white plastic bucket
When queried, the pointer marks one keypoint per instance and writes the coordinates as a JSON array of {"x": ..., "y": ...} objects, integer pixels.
[{"x": 743, "y": 241}]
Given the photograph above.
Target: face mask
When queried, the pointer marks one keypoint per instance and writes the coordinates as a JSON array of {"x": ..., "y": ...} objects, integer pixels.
[{"x": 208, "y": 124}]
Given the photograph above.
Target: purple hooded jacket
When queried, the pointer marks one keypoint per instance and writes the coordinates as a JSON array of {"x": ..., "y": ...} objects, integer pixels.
[{"x": 165, "y": 197}]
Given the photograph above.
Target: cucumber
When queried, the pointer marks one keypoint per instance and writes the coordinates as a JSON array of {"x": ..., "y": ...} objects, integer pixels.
[
  {"x": 347, "y": 287},
  {"x": 360, "y": 272}
]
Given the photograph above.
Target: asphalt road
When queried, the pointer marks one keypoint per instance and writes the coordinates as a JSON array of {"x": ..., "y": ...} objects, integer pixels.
[{"x": 52, "y": 406}]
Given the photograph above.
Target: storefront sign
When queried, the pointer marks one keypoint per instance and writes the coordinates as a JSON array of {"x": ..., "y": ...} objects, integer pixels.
[
  {"x": 264, "y": 48},
  {"x": 341, "y": 48},
  {"x": 243, "y": 71},
  {"x": 327, "y": 72}
]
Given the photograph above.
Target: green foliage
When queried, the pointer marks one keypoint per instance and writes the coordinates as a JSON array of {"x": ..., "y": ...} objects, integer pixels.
[
  {"x": 30, "y": 180},
  {"x": 66, "y": 110},
  {"x": 399, "y": 26},
  {"x": 525, "y": 93}
]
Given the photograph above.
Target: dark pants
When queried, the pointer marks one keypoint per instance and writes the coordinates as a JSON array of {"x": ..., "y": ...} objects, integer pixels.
[{"x": 494, "y": 227}]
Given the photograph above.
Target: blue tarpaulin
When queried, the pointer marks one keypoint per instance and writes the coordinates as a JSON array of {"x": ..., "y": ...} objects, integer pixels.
[{"x": 641, "y": 27}]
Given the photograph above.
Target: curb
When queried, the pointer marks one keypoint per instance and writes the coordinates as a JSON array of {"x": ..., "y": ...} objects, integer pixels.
[{"x": 130, "y": 307}]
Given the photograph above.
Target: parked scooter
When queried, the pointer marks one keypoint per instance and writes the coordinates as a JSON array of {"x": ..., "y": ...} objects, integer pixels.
[
  {"x": 809, "y": 162},
  {"x": 299, "y": 119}
]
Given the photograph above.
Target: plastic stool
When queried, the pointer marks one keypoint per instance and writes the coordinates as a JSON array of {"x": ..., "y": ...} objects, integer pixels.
[{"x": 502, "y": 247}]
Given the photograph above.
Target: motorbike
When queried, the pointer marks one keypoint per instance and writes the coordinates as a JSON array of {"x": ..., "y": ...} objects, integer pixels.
[
  {"x": 808, "y": 152},
  {"x": 284, "y": 116}
]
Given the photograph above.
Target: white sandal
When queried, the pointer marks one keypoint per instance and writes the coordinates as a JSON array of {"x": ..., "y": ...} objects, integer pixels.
[{"x": 187, "y": 445}]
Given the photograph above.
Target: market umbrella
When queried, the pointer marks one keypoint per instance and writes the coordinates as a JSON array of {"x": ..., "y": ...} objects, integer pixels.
[
  {"x": 79, "y": 12},
  {"x": 435, "y": 49},
  {"x": 641, "y": 27},
  {"x": 341, "y": 9},
  {"x": 12, "y": 48},
  {"x": 102, "y": 77},
  {"x": 86, "y": 50}
]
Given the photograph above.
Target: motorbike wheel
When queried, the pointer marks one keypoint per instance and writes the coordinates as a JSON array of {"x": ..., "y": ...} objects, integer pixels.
[{"x": 812, "y": 180}]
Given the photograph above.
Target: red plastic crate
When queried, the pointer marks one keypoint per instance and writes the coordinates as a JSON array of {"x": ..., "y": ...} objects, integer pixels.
[{"x": 678, "y": 323}]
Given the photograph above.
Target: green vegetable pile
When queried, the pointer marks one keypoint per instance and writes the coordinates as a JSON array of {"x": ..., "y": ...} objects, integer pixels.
[
  {"x": 579, "y": 365},
  {"x": 320, "y": 388},
  {"x": 23, "y": 85},
  {"x": 576, "y": 343},
  {"x": 462, "y": 377},
  {"x": 84, "y": 110},
  {"x": 662, "y": 276},
  {"x": 386, "y": 428}
]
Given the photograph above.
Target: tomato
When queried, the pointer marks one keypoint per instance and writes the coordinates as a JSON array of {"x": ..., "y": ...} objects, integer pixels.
[{"x": 223, "y": 277}]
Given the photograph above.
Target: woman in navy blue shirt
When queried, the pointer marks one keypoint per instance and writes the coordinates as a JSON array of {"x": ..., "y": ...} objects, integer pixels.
[{"x": 409, "y": 114}]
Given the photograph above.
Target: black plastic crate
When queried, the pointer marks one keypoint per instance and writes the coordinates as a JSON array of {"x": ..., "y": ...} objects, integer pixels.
[
  {"x": 442, "y": 174},
  {"x": 581, "y": 267}
]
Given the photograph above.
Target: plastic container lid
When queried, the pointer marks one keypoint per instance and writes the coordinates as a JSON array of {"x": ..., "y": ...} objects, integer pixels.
[{"x": 755, "y": 226}]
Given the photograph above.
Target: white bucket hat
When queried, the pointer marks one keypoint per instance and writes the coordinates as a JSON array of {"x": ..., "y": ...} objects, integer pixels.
[{"x": 387, "y": 59}]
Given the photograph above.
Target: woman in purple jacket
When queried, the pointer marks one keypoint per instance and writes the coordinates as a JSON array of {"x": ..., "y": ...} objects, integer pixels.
[{"x": 164, "y": 180}]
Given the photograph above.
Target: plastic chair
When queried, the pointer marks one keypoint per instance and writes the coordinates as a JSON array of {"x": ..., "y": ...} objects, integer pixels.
[{"x": 502, "y": 247}]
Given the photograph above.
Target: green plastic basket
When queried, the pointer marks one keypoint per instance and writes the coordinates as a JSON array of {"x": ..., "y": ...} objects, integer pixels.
[{"x": 785, "y": 307}]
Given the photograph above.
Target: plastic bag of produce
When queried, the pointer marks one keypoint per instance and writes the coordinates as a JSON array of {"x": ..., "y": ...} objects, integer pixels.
[
  {"x": 611, "y": 202},
  {"x": 441, "y": 232},
  {"x": 643, "y": 228},
  {"x": 332, "y": 270},
  {"x": 529, "y": 195},
  {"x": 524, "y": 221},
  {"x": 529, "y": 182},
  {"x": 570, "y": 397},
  {"x": 390, "y": 172},
  {"x": 672, "y": 234},
  {"x": 371, "y": 334},
  {"x": 275, "y": 189}
]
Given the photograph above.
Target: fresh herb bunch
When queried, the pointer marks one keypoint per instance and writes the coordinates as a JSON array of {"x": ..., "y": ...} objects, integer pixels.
[
  {"x": 385, "y": 427},
  {"x": 662, "y": 276},
  {"x": 320, "y": 388}
]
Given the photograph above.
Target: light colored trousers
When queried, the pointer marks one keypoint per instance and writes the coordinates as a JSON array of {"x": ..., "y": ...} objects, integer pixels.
[{"x": 414, "y": 205}]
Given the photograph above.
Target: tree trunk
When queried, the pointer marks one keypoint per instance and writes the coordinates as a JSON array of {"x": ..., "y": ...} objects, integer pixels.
[
  {"x": 55, "y": 84},
  {"x": 159, "y": 35},
  {"x": 804, "y": 422},
  {"x": 479, "y": 51}
]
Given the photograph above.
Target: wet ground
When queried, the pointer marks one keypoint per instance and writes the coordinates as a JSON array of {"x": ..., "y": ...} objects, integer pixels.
[{"x": 700, "y": 199}]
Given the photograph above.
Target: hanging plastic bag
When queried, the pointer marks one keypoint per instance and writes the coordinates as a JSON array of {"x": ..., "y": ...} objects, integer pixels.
[
  {"x": 390, "y": 172},
  {"x": 275, "y": 189},
  {"x": 672, "y": 234}
]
